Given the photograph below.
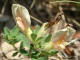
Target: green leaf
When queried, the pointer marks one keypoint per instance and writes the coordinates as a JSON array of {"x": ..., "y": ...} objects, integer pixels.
[
  {"x": 22, "y": 49},
  {"x": 33, "y": 36},
  {"x": 43, "y": 58},
  {"x": 6, "y": 31},
  {"x": 40, "y": 58},
  {"x": 20, "y": 37},
  {"x": 23, "y": 39},
  {"x": 13, "y": 36},
  {"x": 47, "y": 53},
  {"x": 39, "y": 39},
  {"x": 32, "y": 30},
  {"x": 15, "y": 30},
  {"x": 35, "y": 53},
  {"x": 14, "y": 54},
  {"x": 37, "y": 29},
  {"x": 21, "y": 46},
  {"x": 26, "y": 43},
  {"x": 10, "y": 35},
  {"x": 52, "y": 52},
  {"x": 48, "y": 38}
]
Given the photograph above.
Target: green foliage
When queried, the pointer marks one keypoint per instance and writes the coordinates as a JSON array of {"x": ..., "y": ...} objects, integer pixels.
[
  {"x": 22, "y": 50},
  {"x": 34, "y": 52},
  {"x": 41, "y": 58},
  {"x": 10, "y": 35},
  {"x": 35, "y": 48},
  {"x": 35, "y": 31},
  {"x": 33, "y": 36},
  {"x": 14, "y": 35},
  {"x": 47, "y": 38}
]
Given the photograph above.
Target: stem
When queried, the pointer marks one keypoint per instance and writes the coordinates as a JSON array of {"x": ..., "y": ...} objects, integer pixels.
[
  {"x": 66, "y": 1},
  {"x": 33, "y": 3},
  {"x": 72, "y": 41},
  {"x": 75, "y": 22},
  {"x": 39, "y": 21}
]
